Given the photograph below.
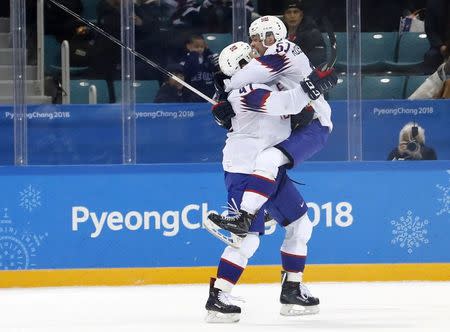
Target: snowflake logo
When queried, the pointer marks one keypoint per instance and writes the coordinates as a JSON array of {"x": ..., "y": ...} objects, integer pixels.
[
  {"x": 409, "y": 232},
  {"x": 445, "y": 200},
  {"x": 30, "y": 198}
]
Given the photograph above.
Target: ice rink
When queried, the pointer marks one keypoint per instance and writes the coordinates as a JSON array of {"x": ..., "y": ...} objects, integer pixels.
[{"x": 404, "y": 306}]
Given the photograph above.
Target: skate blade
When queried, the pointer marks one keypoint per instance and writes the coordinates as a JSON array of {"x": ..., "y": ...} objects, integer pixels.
[
  {"x": 298, "y": 310},
  {"x": 218, "y": 317},
  {"x": 225, "y": 236}
]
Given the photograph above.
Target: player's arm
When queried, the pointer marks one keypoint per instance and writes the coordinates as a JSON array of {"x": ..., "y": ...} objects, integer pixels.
[
  {"x": 253, "y": 72},
  {"x": 281, "y": 58},
  {"x": 287, "y": 102},
  {"x": 261, "y": 70},
  {"x": 262, "y": 99}
]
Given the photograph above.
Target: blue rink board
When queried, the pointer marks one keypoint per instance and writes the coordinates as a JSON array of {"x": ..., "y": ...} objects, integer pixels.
[
  {"x": 186, "y": 133},
  {"x": 400, "y": 213}
]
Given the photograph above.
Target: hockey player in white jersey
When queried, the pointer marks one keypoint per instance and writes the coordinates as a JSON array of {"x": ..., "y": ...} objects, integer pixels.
[
  {"x": 261, "y": 120},
  {"x": 284, "y": 66}
]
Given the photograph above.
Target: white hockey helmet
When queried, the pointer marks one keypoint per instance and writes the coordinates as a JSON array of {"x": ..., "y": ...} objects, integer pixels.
[
  {"x": 233, "y": 57},
  {"x": 268, "y": 24}
]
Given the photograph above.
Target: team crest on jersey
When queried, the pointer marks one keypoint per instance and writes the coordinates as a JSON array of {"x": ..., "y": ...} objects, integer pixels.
[
  {"x": 276, "y": 63},
  {"x": 255, "y": 100}
]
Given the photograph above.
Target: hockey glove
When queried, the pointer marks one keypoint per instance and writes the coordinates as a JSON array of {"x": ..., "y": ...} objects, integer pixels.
[
  {"x": 303, "y": 118},
  {"x": 223, "y": 113},
  {"x": 319, "y": 82},
  {"x": 214, "y": 60},
  {"x": 219, "y": 77}
]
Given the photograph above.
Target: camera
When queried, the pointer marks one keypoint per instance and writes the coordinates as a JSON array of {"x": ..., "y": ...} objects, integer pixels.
[{"x": 412, "y": 145}]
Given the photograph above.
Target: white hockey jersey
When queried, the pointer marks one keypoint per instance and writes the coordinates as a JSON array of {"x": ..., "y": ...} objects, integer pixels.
[
  {"x": 261, "y": 121},
  {"x": 283, "y": 66}
]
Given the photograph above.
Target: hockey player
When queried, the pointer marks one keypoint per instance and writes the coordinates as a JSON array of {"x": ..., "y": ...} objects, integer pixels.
[
  {"x": 261, "y": 121},
  {"x": 283, "y": 65}
]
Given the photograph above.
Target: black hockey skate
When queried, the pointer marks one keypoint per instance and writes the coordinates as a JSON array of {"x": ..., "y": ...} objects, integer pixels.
[
  {"x": 296, "y": 299},
  {"x": 238, "y": 224},
  {"x": 219, "y": 308}
]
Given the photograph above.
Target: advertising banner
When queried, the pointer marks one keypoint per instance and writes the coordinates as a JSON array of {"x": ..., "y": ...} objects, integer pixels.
[{"x": 76, "y": 217}]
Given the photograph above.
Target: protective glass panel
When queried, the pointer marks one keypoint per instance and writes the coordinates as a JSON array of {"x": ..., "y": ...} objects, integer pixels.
[
  {"x": 68, "y": 79},
  {"x": 404, "y": 74},
  {"x": 183, "y": 39},
  {"x": 310, "y": 25},
  {"x": 148, "y": 117},
  {"x": 178, "y": 127}
]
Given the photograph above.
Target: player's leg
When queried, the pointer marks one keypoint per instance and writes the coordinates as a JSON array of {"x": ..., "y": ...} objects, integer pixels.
[
  {"x": 262, "y": 183},
  {"x": 304, "y": 143},
  {"x": 220, "y": 307},
  {"x": 300, "y": 146},
  {"x": 238, "y": 220},
  {"x": 233, "y": 260},
  {"x": 290, "y": 210}
]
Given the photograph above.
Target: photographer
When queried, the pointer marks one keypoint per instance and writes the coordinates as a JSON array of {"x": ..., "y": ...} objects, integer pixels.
[{"x": 411, "y": 145}]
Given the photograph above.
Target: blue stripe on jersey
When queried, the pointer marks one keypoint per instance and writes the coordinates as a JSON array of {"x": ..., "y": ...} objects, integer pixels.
[
  {"x": 276, "y": 63},
  {"x": 255, "y": 100}
]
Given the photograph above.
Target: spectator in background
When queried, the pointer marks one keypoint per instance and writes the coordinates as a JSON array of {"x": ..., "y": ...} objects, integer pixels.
[
  {"x": 184, "y": 22},
  {"x": 335, "y": 10},
  {"x": 436, "y": 85},
  {"x": 172, "y": 91},
  {"x": 199, "y": 65},
  {"x": 150, "y": 38},
  {"x": 303, "y": 31},
  {"x": 186, "y": 15},
  {"x": 61, "y": 24},
  {"x": 437, "y": 27},
  {"x": 199, "y": 17},
  {"x": 217, "y": 15},
  {"x": 411, "y": 145},
  {"x": 106, "y": 59}
]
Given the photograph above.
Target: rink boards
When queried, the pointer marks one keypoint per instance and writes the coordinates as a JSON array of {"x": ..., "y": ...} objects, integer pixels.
[{"x": 113, "y": 225}]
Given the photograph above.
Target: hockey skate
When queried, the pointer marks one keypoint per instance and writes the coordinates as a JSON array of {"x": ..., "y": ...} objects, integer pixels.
[
  {"x": 219, "y": 307},
  {"x": 296, "y": 299},
  {"x": 238, "y": 224},
  {"x": 225, "y": 236}
]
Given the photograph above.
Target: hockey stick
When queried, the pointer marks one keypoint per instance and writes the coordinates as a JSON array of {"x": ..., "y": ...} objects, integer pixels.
[
  {"x": 333, "y": 47},
  {"x": 132, "y": 51}
]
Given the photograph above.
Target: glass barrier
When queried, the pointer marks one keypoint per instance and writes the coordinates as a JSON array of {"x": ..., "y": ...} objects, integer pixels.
[
  {"x": 75, "y": 95},
  {"x": 404, "y": 116}
]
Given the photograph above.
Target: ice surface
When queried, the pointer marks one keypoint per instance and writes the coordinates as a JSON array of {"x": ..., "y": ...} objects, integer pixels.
[{"x": 404, "y": 306}]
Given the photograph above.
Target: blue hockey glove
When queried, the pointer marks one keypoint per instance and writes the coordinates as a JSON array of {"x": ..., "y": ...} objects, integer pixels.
[{"x": 223, "y": 113}]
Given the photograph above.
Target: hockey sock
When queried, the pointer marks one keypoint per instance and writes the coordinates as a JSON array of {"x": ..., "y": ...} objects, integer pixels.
[
  {"x": 229, "y": 271},
  {"x": 223, "y": 285},
  {"x": 234, "y": 260},
  {"x": 294, "y": 276},
  {"x": 293, "y": 263}
]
